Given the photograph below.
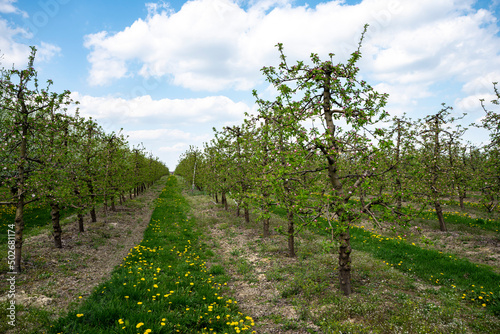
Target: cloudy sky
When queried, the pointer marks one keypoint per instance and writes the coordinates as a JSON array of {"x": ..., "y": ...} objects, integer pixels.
[{"x": 168, "y": 72}]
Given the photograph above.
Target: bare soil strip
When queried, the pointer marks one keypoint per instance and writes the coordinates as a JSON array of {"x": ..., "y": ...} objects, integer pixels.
[
  {"x": 53, "y": 279},
  {"x": 239, "y": 251}
]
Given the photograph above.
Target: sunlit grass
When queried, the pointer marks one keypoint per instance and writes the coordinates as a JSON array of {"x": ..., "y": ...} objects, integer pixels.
[
  {"x": 433, "y": 266},
  {"x": 163, "y": 285}
]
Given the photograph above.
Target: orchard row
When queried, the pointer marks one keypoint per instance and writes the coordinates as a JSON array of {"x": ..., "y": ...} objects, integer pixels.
[
  {"x": 325, "y": 149},
  {"x": 61, "y": 160}
]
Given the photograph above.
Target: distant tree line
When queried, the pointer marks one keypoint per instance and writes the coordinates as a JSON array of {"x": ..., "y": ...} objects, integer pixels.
[{"x": 61, "y": 160}]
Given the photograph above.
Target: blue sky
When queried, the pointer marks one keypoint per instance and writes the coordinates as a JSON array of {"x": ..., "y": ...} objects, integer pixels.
[{"x": 167, "y": 72}]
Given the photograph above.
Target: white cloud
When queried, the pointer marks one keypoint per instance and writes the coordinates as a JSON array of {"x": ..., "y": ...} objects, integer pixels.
[
  {"x": 164, "y": 134},
  {"x": 7, "y": 7},
  {"x": 212, "y": 45},
  {"x": 165, "y": 126},
  {"x": 15, "y": 53},
  {"x": 472, "y": 103},
  {"x": 176, "y": 148},
  {"x": 450, "y": 46},
  {"x": 186, "y": 111},
  {"x": 47, "y": 51}
]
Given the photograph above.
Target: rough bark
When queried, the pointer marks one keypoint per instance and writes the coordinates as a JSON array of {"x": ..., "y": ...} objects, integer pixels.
[
  {"x": 92, "y": 200},
  {"x": 265, "y": 228},
  {"x": 247, "y": 214},
  {"x": 291, "y": 235},
  {"x": 345, "y": 241},
  {"x": 399, "y": 189},
  {"x": 224, "y": 201},
  {"x": 80, "y": 223},
  {"x": 439, "y": 213},
  {"x": 93, "y": 215},
  {"x": 56, "y": 226},
  {"x": 19, "y": 225},
  {"x": 345, "y": 262}
]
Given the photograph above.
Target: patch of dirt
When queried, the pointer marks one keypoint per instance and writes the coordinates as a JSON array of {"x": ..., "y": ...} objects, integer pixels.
[
  {"x": 484, "y": 249},
  {"x": 257, "y": 296},
  {"x": 54, "y": 278}
]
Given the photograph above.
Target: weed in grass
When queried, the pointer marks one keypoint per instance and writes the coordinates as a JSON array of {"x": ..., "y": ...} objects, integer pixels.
[
  {"x": 236, "y": 252},
  {"x": 216, "y": 270},
  {"x": 274, "y": 275},
  {"x": 243, "y": 267}
]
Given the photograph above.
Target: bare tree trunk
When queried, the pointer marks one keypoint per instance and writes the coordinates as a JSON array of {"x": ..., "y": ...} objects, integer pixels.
[
  {"x": 461, "y": 196},
  {"x": 105, "y": 209},
  {"x": 247, "y": 214},
  {"x": 439, "y": 213},
  {"x": 56, "y": 226},
  {"x": 19, "y": 219},
  {"x": 216, "y": 198},
  {"x": 345, "y": 262},
  {"x": 399, "y": 190},
  {"x": 19, "y": 225},
  {"x": 224, "y": 201},
  {"x": 93, "y": 215},
  {"x": 92, "y": 199},
  {"x": 345, "y": 239},
  {"x": 113, "y": 207},
  {"x": 80, "y": 223},
  {"x": 266, "y": 228},
  {"x": 291, "y": 235}
]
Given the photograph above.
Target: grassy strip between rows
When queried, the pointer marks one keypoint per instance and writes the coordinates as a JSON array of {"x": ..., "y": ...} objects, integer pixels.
[
  {"x": 464, "y": 219},
  {"x": 476, "y": 283},
  {"x": 163, "y": 285}
]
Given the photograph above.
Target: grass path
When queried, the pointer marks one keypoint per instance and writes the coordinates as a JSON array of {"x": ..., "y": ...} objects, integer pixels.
[{"x": 163, "y": 285}]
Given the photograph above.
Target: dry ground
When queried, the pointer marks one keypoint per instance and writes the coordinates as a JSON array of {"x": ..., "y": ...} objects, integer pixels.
[
  {"x": 239, "y": 251},
  {"x": 54, "y": 279}
]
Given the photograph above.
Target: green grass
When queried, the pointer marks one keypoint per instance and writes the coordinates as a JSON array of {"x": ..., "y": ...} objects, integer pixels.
[
  {"x": 464, "y": 219},
  {"x": 476, "y": 283},
  {"x": 163, "y": 285},
  {"x": 307, "y": 295},
  {"x": 35, "y": 216}
]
